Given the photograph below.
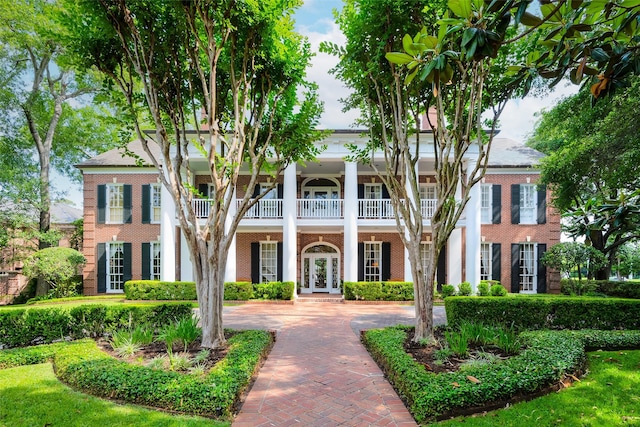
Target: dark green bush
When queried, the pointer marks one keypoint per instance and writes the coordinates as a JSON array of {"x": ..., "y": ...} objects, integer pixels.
[
  {"x": 378, "y": 291},
  {"x": 547, "y": 357},
  {"x": 447, "y": 291},
  {"x": 82, "y": 365},
  {"x": 273, "y": 290},
  {"x": 464, "y": 289},
  {"x": 157, "y": 290},
  {"x": 612, "y": 288},
  {"x": 238, "y": 291},
  {"x": 546, "y": 312},
  {"x": 23, "y": 327},
  {"x": 498, "y": 291}
]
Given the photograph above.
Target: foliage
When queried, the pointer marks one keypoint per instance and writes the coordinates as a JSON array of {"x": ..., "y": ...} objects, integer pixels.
[
  {"x": 548, "y": 312},
  {"x": 627, "y": 263},
  {"x": 235, "y": 80},
  {"x": 498, "y": 291},
  {"x": 572, "y": 256},
  {"x": 21, "y": 327},
  {"x": 483, "y": 289},
  {"x": 547, "y": 357},
  {"x": 274, "y": 290},
  {"x": 612, "y": 288},
  {"x": 238, "y": 291},
  {"x": 187, "y": 331},
  {"x": 233, "y": 291},
  {"x": 464, "y": 289},
  {"x": 378, "y": 291},
  {"x": 56, "y": 266},
  {"x": 447, "y": 290}
]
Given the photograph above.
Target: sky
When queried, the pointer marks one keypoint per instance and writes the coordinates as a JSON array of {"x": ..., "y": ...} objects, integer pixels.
[{"x": 315, "y": 21}]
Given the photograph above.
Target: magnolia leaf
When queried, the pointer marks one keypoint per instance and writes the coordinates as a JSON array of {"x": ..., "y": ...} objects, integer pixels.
[
  {"x": 429, "y": 41},
  {"x": 410, "y": 77},
  {"x": 598, "y": 54},
  {"x": 473, "y": 379},
  {"x": 546, "y": 10},
  {"x": 630, "y": 3},
  {"x": 461, "y": 8},
  {"x": 407, "y": 44},
  {"x": 530, "y": 20},
  {"x": 398, "y": 58}
]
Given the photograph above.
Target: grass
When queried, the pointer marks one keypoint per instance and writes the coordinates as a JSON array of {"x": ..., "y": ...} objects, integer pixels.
[
  {"x": 608, "y": 396},
  {"x": 77, "y": 301},
  {"x": 32, "y": 395}
]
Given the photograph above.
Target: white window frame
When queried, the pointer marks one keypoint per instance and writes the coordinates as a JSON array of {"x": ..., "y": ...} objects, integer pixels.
[
  {"x": 372, "y": 261},
  {"x": 428, "y": 192},
  {"x": 115, "y": 267},
  {"x": 155, "y": 200},
  {"x": 373, "y": 191},
  {"x": 114, "y": 211},
  {"x": 486, "y": 204},
  {"x": 486, "y": 261},
  {"x": 425, "y": 248},
  {"x": 528, "y": 204},
  {"x": 528, "y": 266},
  {"x": 155, "y": 260},
  {"x": 268, "y": 261}
]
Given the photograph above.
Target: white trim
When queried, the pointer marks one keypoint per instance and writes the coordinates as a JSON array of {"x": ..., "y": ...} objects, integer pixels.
[
  {"x": 330, "y": 277},
  {"x": 131, "y": 170},
  {"x": 108, "y": 286}
]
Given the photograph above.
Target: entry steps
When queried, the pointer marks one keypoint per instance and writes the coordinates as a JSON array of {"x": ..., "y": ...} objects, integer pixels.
[{"x": 336, "y": 299}]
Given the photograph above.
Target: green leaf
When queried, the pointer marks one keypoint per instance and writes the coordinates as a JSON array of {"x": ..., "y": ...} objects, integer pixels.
[
  {"x": 630, "y": 3},
  {"x": 530, "y": 20},
  {"x": 398, "y": 58},
  {"x": 546, "y": 10},
  {"x": 410, "y": 77},
  {"x": 598, "y": 54},
  {"x": 430, "y": 42},
  {"x": 407, "y": 44},
  {"x": 461, "y": 8}
]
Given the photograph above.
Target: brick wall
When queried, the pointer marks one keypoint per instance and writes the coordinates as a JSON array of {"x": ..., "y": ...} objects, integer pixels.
[{"x": 135, "y": 233}]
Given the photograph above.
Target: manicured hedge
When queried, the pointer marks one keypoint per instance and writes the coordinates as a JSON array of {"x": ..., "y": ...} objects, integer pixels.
[
  {"x": 378, "y": 291},
  {"x": 21, "y": 327},
  {"x": 547, "y": 357},
  {"x": 233, "y": 291},
  {"x": 612, "y": 288},
  {"x": 84, "y": 366},
  {"x": 546, "y": 312}
]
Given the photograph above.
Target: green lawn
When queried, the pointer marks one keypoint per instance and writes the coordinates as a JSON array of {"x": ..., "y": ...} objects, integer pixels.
[
  {"x": 33, "y": 396},
  {"x": 608, "y": 396},
  {"x": 76, "y": 301}
]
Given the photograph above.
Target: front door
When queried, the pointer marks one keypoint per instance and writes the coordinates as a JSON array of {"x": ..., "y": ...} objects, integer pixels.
[
  {"x": 320, "y": 269},
  {"x": 319, "y": 277}
]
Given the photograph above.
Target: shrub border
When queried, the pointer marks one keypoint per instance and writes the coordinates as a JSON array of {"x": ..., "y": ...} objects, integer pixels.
[
  {"x": 83, "y": 366},
  {"x": 549, "y": 356}
]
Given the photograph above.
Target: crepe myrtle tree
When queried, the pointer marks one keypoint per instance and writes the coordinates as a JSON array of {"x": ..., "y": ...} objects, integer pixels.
[{"x": 230, "y": 70}]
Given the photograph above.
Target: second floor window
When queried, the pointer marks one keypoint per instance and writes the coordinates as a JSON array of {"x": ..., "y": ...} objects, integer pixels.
[
  {"x": 373, "y": 191},
  {"x": 428, "y": 192},
  {"x": 528, "y": 205},
  {"x": 485, "y": 204},
  {"x": 156, "y": 203},
  {"x": 115, "y": 203}
]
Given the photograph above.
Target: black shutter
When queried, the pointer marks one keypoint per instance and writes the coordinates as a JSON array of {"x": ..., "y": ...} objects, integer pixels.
[
  {"x": 280, "y": 191},
  {"x": 255, "y": 262},
  {"x": 256, "y": 191},
  {"x": 496, "y": 261},
  {"x": 496, "y": 202},
  {"x": 126, "y": 262},
  {"x": 146, "y": 204},
  {"x": 203, "y": 189},
  {"x": 279, "y": 262},
  {"x": 102, "y": 267},
  {"x": 386, "y": 261},
  {"x": 127, "y": 204},
  {"x": 360, "y": 261},
  {"x": 542, "y": 270},
  {"x": 385, "y": 192},
  {"x": 542, "y": 205},
  {"x": 515, "y": 204},
  {"x": 515, "y": 268},
  {"x": 360, "y": 191},
  {"x": 102, "y": 204},
  {"x": 146, "y": 261},
  {"x": 441, "y": 271}
]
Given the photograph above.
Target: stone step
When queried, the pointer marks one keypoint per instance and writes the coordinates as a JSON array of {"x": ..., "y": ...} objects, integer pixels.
[{"x": 337, "y": 299}]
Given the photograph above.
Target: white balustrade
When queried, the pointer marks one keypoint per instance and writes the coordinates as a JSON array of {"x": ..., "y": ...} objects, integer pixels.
[
  {"x": 428, "y": 207},
  {"x": 201, "y": 207},
  {"x": 375, "y": 209},
  {"x": 265, "y": 208},
  {"x": 320, "y": 208}
]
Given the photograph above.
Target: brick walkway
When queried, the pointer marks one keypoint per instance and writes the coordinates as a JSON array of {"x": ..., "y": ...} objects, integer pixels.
[{"x": 318, "y": 373}]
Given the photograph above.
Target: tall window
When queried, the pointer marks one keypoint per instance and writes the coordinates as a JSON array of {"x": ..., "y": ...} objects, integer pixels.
[
  {"x": 528, "y": 205},
  {"x": 485, "y": 261},
  {"x": 268, "y": 262},
  {"x": 155, "y": 261},
  {"x": 115, "y": 203},
  {"x": 115, "y": 265},
  {"x": 373, "y": 191},
  {"x": 372, "y": 261},
  {"x": 485, "y": 204},
  {"x": 528, "y": 267},
  {"x": 272, "y": 193},
  {"x": 156, "y": 203},
  {"x": 428, "y": 192},
  {"x": 425, "y": 249}
]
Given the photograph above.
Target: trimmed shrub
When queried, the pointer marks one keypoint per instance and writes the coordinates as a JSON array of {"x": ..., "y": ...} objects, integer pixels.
[
  {"x": 157, "y": 290},
  {"x": 238, "y": 291},
  {"x": 464, "y": 289},
  {"x": 447, "y": 291},
  {"x": 547, "y": 357},
  {"x": 378, "y": 291},
  {"x": 273, "y": 290},
  {"x": 35, "y": 325},
  {"x": 483, "y": 289},
  {"x": 498, "y": 291},
  {"x": 612, "y": 288},
  {"x": 546, "y": 312}
]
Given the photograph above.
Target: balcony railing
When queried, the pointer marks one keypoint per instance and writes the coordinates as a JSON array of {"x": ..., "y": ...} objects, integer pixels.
[{"x": 319, "y": 208}]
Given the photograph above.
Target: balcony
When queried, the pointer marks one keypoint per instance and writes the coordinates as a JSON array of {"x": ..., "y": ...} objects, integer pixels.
[{"x": 368, "y": 209}]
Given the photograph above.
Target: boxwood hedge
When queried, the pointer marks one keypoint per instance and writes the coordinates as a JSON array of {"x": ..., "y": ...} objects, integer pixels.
[
  {"x": 233, "y": 291},
  {"x": 547, "y": 357},
  {"x": 378, "y": 291},
  {"x": 34, "y": 325},
  {"x": 546, "y": 312},
  {"x": 82, "y": 365}
]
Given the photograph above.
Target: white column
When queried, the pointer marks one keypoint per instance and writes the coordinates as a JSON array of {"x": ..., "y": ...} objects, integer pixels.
[
  {"x": 167, "y": 236},
  {"x": 472, "y": 235},
  {"x": 350, "y": 249},
  {"x": 289, "y": 225},
  {"x": 230, "y": 268},
  {"x": 454, "y": 257},
  {"x": 408, "y": 275}
]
